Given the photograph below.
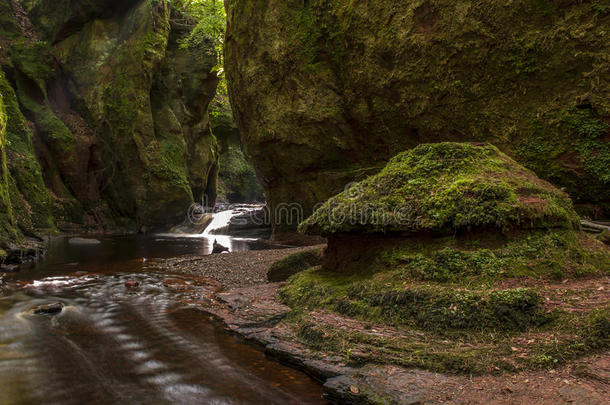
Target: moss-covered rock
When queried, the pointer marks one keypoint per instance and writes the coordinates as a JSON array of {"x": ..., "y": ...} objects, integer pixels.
[
  {"x": 8, "y": 229},
  {"x": 325, "y": 92},
  {"x": 450, "y": 243},
  {"x": 445, "y": 188},
  {"x": 30, "y": 200},
  {"x": 285, "y": 268}
]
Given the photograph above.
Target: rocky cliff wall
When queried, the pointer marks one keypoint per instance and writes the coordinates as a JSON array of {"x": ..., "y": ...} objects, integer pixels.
[
  {"x": 106, "y": 111},
  {"x": 325, "y": 92}
]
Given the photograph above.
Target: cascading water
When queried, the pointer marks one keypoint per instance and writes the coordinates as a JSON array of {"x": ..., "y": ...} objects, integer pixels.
[{"x": 220, "y": 223}]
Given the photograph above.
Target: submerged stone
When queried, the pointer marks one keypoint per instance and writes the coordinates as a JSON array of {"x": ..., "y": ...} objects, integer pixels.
[{"x": 84, "y": 241}]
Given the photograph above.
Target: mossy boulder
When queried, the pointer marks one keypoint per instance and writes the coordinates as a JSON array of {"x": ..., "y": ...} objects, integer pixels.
[
  {"x": 445, "y": 188},
  {"x": 325, "y": 92},
  {"x": 450, "y": 242}
]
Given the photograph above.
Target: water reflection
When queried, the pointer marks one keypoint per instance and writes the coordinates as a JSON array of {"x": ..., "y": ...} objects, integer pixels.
[{"x": 113, "y": 344}]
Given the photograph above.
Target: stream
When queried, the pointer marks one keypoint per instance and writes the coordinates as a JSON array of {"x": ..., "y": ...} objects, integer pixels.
[{"x": 112, "y": 344}]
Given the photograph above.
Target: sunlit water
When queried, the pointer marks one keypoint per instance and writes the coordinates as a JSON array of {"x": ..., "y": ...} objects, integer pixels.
[{"x": 116, "y": 345}]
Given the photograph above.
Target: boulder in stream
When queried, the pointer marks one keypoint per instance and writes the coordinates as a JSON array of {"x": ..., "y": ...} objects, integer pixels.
[
  {"x": 49, "y": 309},
  {"x": 132, "y": 284},
  {"x": 218, "y": 248},
  {"x": 84, "y": 241}
]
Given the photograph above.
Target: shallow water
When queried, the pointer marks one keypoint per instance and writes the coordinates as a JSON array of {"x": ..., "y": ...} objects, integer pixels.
[{"x": 116, "y": 345}]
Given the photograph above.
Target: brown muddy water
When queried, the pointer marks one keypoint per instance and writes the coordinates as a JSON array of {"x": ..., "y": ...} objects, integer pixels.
[{"x": 116, "y": 345}]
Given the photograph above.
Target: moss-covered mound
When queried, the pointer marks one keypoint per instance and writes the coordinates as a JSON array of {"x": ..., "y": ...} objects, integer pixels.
[
  {"x": 463, "y": 259},
  {"x": 445, "y": 187},
  {"x": 325, "y": 92},
  {"x": 478, "y": 303},
  {"x": 293, "y": 264}
]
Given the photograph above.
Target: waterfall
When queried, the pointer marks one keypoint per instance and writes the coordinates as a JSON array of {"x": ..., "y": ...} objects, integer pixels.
[{"x": 220, "y": 223}]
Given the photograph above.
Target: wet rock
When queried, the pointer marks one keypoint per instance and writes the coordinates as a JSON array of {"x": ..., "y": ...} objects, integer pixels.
[
  {"x": 218, "y": 248},
  {"x": 132, "y": 284},
  {"x": 24, "y": 254},
  {"x": 84, "y": 241},
  {"x": 249, "y": 219},
  {"x": 342, "y": 389},
  {"x": 49, "y": 309},
  {"x": 9, "y": 268}
]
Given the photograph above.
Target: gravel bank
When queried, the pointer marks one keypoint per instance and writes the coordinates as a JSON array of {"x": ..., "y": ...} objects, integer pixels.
[{"x": 233, "y": 270}]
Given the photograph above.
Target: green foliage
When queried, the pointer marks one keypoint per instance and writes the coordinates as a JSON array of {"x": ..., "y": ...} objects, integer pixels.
[
  {"x": 210, "y": 18},
  {"x": 583, "y": 123},
  {"x": 588, "y": 130},
  {"x": 238, "y": 180},
  {"x": 427, "y": 307}
]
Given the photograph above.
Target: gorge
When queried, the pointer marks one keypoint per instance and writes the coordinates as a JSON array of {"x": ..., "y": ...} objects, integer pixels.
[{"x": 312, "y": 201}]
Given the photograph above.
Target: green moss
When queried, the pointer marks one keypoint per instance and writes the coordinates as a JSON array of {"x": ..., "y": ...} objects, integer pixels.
[
  {"x": 445, "y": 187},
  {"x": 574, "y": 335},
  {"x": 457, "y": 328},
  {"x": 430, "y": 353},
  {"x": 34, "y": 61},
  {"x": 586, "y": 334},
  {"x": 454, "y": 303},
  {"x": 293, "y": 264},
  {"x": 481, "y": 261},
  {"x": 422, "y": 306},
  {"x": 29, "y": 197},
  {"x": 7, "y": 221}
]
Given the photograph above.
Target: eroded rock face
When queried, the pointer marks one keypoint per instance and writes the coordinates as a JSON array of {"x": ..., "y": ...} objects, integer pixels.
[
  {"x": 326, "y": 92},
  {"x": 106, "y": 114}
]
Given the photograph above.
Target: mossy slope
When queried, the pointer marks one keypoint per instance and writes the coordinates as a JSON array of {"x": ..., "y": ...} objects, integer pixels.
[{"x": 470, "y": 261}]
